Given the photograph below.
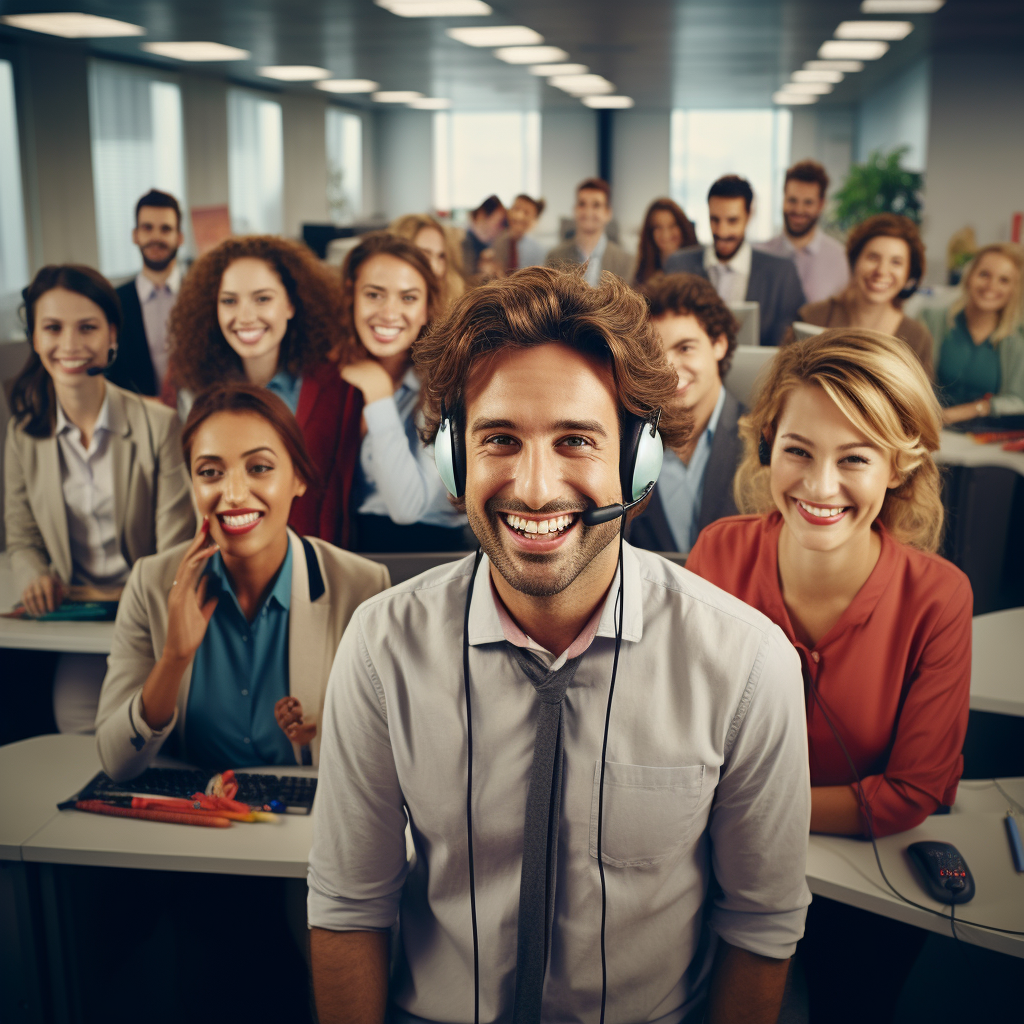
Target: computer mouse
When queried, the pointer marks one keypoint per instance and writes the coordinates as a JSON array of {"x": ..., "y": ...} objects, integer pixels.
[{"x": 943, "y": 871}]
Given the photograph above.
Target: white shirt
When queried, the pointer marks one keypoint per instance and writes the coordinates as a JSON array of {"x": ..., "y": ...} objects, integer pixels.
[
  {"x": 157, "y": 302},
  {"x": 706, "y": 772},
  {"x": 730, "y": 278},
  {"x": 592, "y": 275},
  {"x": 87, "y": 480},
  {"x": 821, "y": 264}
]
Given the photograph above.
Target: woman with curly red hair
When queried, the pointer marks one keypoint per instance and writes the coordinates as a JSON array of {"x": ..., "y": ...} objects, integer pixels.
[{"x": 264, "y": 309}]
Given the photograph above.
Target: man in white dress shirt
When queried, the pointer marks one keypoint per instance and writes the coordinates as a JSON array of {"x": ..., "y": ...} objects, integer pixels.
[{"x": 705, "y": 765}]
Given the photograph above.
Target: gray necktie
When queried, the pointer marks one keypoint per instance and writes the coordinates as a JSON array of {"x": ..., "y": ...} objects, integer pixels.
[{"x": 540, "y": 834}]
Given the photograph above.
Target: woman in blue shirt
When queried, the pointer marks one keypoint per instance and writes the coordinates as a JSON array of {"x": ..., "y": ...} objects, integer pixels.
[
  {"x": 399, "y": 502},
  {"x": 227, "y": 640}
]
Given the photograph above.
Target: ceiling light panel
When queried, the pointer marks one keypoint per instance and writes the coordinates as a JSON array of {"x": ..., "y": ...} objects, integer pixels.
[
  {"x": 846, "y": 66},
  {"x": 347, "y": 85},
  {"x": 73, "y": 25},
  {"x": 792, "y": 99},
  {"x": 547, "y": 70},
  {"x": 608, "y": 102},
  {"x": 196, "y": 51},
  {"x": 582, "y": 85},
  {"x": 889, "y": 30},
  {"x": 294, "y": 73},
  {"x": 436, "y": 8},
  {"x": 496, "y": 35},
  {"x": 853, "y": 49},
  {"x": 531, "y": 54},
  {"x": 396, "y": 96},
  {"x": 835, "y": 77},
  {"x": 901, "y": 6},
  {"x": 808, "y": 88},
  {"x": 431, "y": 103}
]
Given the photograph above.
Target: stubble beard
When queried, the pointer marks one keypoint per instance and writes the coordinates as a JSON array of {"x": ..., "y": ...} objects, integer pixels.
[
  {"x": 799, "y": 234},
  {"x": 158, "y": 265}
]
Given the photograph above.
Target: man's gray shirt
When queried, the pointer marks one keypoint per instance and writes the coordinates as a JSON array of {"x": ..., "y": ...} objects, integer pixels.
[{"x": 706, "y": 796}]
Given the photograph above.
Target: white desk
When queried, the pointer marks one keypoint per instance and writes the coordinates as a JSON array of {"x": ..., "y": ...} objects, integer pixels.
[
  {"x": 997, "y": 662},
  {"x": 957, "y": 449},
  {"x": 845, "y": 869},
  {"x": 76, "y": 637}
]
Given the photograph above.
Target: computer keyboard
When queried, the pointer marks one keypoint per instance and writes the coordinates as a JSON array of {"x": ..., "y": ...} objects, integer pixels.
[{"x": 295, "y": 792}]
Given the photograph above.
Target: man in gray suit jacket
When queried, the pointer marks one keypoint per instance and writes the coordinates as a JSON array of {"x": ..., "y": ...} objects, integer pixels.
[
  {"x": 590, "y": 245},
  {"x": 738, "y": 271},
  {"x": 698, "y": 334}
]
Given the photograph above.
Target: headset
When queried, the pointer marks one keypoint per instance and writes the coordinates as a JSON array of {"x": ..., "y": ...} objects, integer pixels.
[{"x": 641, "y": 454}]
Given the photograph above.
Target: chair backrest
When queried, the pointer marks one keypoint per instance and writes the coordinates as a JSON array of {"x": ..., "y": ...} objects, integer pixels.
[
  {"x": 748, "y": 363},
  {"x": 804, "y": 330},
  {"x": 749, "y": 316},
  {"x": 403, "y": 566}
]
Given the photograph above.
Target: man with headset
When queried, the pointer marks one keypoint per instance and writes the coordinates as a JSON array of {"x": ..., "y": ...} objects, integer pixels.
[{"x": 602, "y": 759}]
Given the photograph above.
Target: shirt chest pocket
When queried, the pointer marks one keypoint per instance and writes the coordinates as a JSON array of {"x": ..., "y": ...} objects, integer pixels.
[{"x": 648, "y": 812}]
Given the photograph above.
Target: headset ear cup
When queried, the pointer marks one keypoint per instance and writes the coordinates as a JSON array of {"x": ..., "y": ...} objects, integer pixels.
[
  {"x": 444, "y": 457},
  {"x": 764, "y": 451},
  {"x": 458, "y": 456},
  {"x": 650, "y": 454}
]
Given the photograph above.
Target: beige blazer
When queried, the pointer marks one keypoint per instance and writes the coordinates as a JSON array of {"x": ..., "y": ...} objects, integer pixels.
[
  {"x": 152, "y": 497},
  {"x": 615, "y": 260},
  {"x": 325, "y": 593}
]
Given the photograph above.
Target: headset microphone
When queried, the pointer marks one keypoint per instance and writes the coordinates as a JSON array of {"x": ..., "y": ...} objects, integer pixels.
[
  {"x": 606, "y": 513},
  {"x": 95, "y": 371}
]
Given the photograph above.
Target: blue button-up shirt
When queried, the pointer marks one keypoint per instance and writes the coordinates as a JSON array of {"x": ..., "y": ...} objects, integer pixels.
[
  {"x": 681, "y": 486},
  {"x": 287, "y": 387},
  {"x": 239, "y": 673}
]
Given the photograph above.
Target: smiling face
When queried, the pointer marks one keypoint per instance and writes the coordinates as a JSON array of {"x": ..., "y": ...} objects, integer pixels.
[
  {"x": 71, "y": 336},
  {"x": 992, "y": 283},
  {"x": 694, "y": 356},
  {"x": 244, "y": 480},
  {"x": 802, "y": 203},
  {"x": 542, "y": 446},
  {"x": 592, "y": 211},
  {"x": 521, "y": 218},
  {"x": 827, "y": 479},
  {"x": 431, "y": 241},
  {"x": 728, "y": 224},
  {"x": 665, "y": 232},
  {"x": 882, "y": 270},
  {"x": 253, "y": 310},
  {"x": 158, "y": 236},
  {"x": 390, "y": 307}
]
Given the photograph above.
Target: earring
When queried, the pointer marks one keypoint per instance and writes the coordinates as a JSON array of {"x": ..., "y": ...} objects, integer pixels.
[{"x": 764, "y": 451}]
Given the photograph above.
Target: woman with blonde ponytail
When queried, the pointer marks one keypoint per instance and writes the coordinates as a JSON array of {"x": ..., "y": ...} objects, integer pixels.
[{"x": 837, "y": 548}]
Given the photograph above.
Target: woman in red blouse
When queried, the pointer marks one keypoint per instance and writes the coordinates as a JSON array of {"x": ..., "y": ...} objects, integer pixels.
[{"x": 840, "y": 554}]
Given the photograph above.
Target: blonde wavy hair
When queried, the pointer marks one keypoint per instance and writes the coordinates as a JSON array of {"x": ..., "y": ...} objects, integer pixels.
[
  {"x": 409, "y": 225},
  {"x": 1010, "y": 318},
  {"x": 879, "y": 385}
]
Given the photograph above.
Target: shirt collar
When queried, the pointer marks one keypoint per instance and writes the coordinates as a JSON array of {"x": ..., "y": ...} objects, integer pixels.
[
  {"x": 598, "y": 251},
  {"x": 716, "y": 414},
  {"x": 281, "y": 592},
  {"x": 145, "y": 287},
  {"x": 102, "y": 420},
  {"x": 739, "y": 264}
]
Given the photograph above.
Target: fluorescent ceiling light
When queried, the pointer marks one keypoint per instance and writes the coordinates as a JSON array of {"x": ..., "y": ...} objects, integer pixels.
[
  {"x": 891, "y": 30},
  {"x": 73, "y": 25},
  {"x": 347, "y": 85},
  {"x": 435, "y": 8},
  {"x": 582, "y": 85},
  {"x": 835, "y": 77},
  {"x": 608, "y": 102},
  {"x": 496, "y": 35},
  {"x": 196, "y": 51},
  {"x": 792, "y": 99},
  {"x": 547, "y": 70},
  {"x": 531, "y": 54},
  {"x": 853, "y": 49},
  {"x": 808, "y": 88},
  {"x": 846, "y": 66},
  {"x": 430, "y": 103},
  {"x": 294, "y": 73},
  {"x": 901, "y": 6},
  {"x": 396, "y": 96}
]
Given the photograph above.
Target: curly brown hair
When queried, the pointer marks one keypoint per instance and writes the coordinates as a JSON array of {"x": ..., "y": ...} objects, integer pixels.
[
  {"x": 540, "y": 305},
  {"x": 379, "y": 243},
  {"x": 890, "y": 225},
  {"x": 650, "y": 255},
  {"x": 690, "y": 295},
  {"x": 199, "y": 353}
]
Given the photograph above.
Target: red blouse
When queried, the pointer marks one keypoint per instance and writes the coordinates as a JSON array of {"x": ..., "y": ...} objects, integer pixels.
[{"x": 893, "y": 674}]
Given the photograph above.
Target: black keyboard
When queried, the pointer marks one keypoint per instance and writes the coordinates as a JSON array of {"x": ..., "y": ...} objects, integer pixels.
[{"x": 293, "y": 791}]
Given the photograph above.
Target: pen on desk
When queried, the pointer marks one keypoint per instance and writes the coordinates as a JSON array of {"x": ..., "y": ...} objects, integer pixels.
[
  {"x": 172, "y": 817},
  {"x": 1016, "y": 847}
]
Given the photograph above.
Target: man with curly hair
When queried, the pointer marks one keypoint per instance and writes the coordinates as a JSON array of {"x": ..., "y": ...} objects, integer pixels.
[{"x": 564, "y": 844}]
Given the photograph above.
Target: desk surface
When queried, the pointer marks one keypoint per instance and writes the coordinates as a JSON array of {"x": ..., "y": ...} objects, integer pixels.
[
  {"x": 957, "y": 449},
  {"x": 997, "y": 662}
]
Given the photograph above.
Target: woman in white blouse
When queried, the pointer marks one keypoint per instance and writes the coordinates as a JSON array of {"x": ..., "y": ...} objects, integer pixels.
[{"x": 94, "y": 476}]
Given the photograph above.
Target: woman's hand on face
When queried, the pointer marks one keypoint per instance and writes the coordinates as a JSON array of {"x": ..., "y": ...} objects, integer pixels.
[
  {"x": 188, "y": 608},
  {"x": 288, "y": 714},
  {"x": 44, "y": 594},
  {"x": 370, "y": 377}
]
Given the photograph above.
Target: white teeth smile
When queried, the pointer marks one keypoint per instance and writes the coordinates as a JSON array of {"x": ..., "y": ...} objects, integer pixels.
[
  {"x": 387, "y": 332},
  {"x": 249, "y": 336},
  {"x": 237, "y": 522},
  {"x": 821, "y": 513},
  {"x": 72, "y": 364},
  {"x": 555, "y": 525}
]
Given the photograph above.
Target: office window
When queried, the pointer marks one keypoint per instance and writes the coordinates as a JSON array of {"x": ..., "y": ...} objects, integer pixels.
[
  {"x": 13, "y": 256},
  {"x": 255, "y": 164},
  {"x": 344, "y": 165},
  {"x": 751, "y": 143},
  {"x": 138, "y": 143},
  {"x": 479, "y": 154}
]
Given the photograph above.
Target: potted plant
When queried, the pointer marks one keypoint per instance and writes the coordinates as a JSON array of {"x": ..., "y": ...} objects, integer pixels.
[{"x": 880, "y": 185}]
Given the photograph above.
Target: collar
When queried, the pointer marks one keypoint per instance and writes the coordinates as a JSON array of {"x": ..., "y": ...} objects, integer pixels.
[
  {"x": 281, "y": 592},
  {"x": 102, "y": 420},
  {"x": 598, "y": 250},
  {"x": 812, "y": 246},
  {"x": 485, "y": 624},
  {"x": 146, "y": 288},
  {"x": 739, "y": 264},
  {"x": 410, "y": 380},
  {"x": 716, "y": 413}
]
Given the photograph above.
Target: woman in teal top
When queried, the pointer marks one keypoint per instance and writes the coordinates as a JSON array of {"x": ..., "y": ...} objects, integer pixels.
[{"x": 980, "y": 364}]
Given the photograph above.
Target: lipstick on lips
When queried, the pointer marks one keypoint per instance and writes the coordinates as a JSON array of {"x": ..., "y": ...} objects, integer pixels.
[
  {"x": 239, "y": 521},
  {"x": 823, "y": 515}
]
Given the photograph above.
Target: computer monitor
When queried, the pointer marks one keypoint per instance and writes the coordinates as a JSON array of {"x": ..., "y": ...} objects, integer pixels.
[
  {"x": 749, "y": 316},
  {"x": 804, "y": 330},
  {"x": 748, "y": 362}
]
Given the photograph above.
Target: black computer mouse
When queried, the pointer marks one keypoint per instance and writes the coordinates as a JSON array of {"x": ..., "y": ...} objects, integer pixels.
[{"x": 943, "y": 870}]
